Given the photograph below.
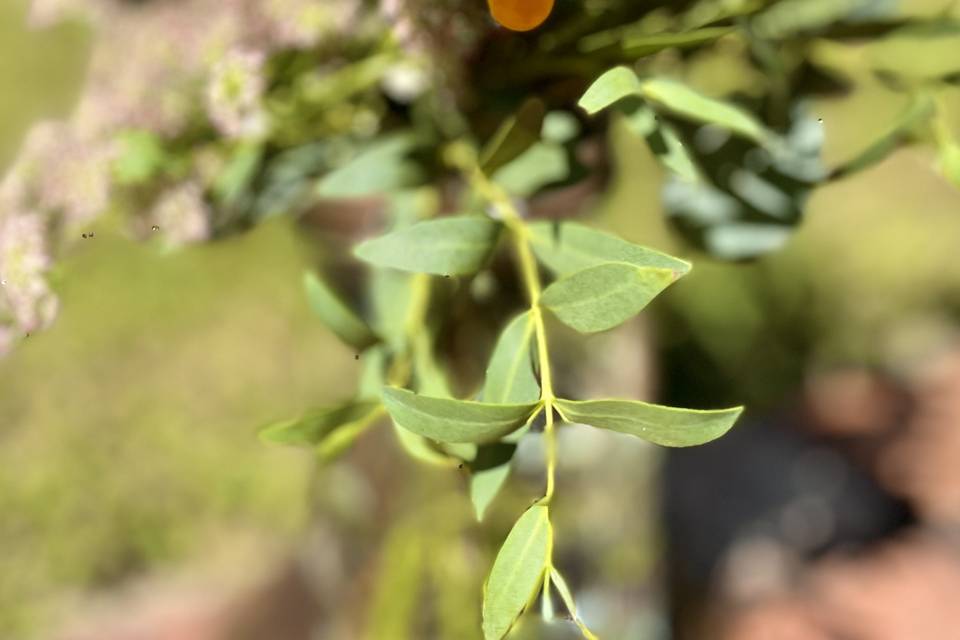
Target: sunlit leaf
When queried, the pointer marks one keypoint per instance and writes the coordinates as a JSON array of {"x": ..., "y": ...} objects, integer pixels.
[
  {"x": 610, "y": 88},
  {"x": 520, "y": 132},
  {"x": 567, "y": 247},
  {"x": 446, "y": 246},
  {"x": 335, "y": 314},
  {"x": 449, "y": 420},
  {"x": 950, "y": 163},
  {"x": 510, "y": 377},
  {"x": 661, "y": 425},
  {"x": 604, "y": 296},
  {"x": 517, "y": 572},
  {"x": 489, "y": 471}
]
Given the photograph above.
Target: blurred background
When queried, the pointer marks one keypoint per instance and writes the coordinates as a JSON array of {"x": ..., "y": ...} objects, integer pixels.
[{"x": 137, "y": 502}]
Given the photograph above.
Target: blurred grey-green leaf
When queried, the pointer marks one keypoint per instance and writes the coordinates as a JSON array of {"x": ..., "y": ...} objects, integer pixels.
[
  {"x": 667, "y": 426},
  {"x": 520, "y": 132},
  {"x": 517, "y": 572},
  {"x": 312, "y": 428},
  {"x": 335, "y": 314},
  {"x": 379, "y": 169},
  {"x": 687, "y": 103},
  {"x": 446, "y": 246},
  {"x": 449, "y": 420},
  {"x": 604, "y": 296}
]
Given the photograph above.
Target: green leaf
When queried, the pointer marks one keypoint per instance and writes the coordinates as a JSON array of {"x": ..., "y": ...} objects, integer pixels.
[
  {"x": 383, "y": 167},
  {"x": 449, "y": 420},
  {"x": 235, "y": 179},
  {"x": 567, "y": 596},
  {"x": 140, "y": 157},
  {"x": 520, "y": 132},
  {"x": 517, "y": 572},
  {"x": 419, "y": 448},
  {"x": 602, "y": 297},
  {"x": 373, "y": 371},
  {"x": 950, "y": 163},
  {"x": 510, "y": 377},
  {"x": 446, "y": 246},
  {"x": 567, "y": 247},
  {"x": 315, "y": 426},
  {"x": 335, "y": 314},
  {"x": 489, "y": 471},
  {"x": 635, "y": 43},
  {"x": 661, "y": 425},
  {"x": 391, "y": 294},
  {"x": 539, "y": 166},
  {"x": 610, "y": 88},
  {"x": 687, "y": 103}
]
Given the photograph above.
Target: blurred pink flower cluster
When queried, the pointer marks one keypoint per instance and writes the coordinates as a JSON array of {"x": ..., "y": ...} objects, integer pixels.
[{"x": 157, "y": 66}]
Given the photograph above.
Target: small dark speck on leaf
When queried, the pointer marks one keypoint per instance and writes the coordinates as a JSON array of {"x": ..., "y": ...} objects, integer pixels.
[
  {"x": 83, "y": 235},
  {"x": 155, "y": 228},
  {"x": 460, "y": 466},
  {"x": 356, "y": 356}
]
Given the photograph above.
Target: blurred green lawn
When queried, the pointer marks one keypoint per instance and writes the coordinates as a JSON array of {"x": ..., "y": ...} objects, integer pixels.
[{"x": 127, "y": 431}]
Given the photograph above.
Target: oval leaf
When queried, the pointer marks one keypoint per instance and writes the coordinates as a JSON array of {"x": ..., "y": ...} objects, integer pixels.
[
  {"x": 449, "y": 420},
  {"x": 568, "y": 247},
  {"x": 610, "y": 88},
  {"x": 605, "y": 296},
  {"x": 510, "y": 377},
  {"x": 520, "y": 132},
  {"x": 687, "y": 103},
  {"x": 517, "y": 572},
  {"x": 661, "y": 425},
  {"x": 315, "y": 426},
  {"x": 335, "y": 314},
  {"x": 447, "y": 246}
]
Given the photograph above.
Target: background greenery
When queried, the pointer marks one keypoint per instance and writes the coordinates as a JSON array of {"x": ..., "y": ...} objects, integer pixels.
[{"x": 126, "y": 432}]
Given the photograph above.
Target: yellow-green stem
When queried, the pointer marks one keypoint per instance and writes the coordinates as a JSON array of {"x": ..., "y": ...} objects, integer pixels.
[{"x": 531, "y": 278}]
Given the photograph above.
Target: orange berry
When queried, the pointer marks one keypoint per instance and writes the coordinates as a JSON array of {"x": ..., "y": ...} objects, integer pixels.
[{"x": 520, "y": 15}]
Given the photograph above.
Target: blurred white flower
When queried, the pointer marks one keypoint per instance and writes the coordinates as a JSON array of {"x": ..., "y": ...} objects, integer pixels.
[
  {"x": 235, "y": 95},
  {"x": 181, "y": 215},
  {"x": 305, "y": 23},
  {"x": 27, "y": 303},
  {"x": 61, "y": 173}
]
